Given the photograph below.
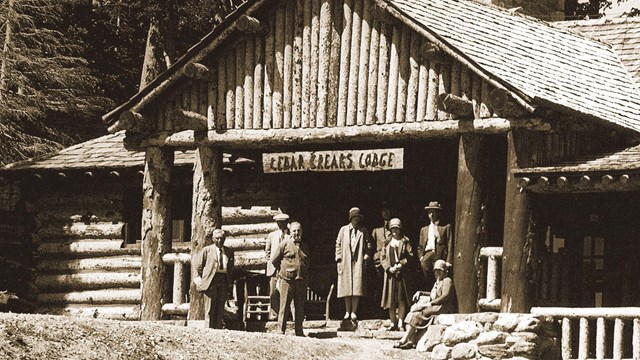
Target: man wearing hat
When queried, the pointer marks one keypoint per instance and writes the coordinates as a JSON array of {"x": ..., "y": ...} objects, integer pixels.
[
  {"x": 213, "y": 265},
  {"x": 273, "y": 240},
  {"x": 436, "y": 241},
  {"x": 353, "y": 249}
]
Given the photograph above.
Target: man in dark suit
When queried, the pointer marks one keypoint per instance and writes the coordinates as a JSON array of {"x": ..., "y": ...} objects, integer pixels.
[
  {"x": 436, "y": 241},
  {"x": 291, "y": 259},
  {"x": 213, "y": 265}
]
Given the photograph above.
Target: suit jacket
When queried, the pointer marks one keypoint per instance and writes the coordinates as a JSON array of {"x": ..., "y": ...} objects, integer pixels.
[
  {"x": 292, "y": 260},
  {"x": 380, "y": 239},
  {"x": 350, "y": 262},
  {"x": 444, "y": 242},
  {"x": 206, "y": 264},
  {"x": 273, "y": 240}
]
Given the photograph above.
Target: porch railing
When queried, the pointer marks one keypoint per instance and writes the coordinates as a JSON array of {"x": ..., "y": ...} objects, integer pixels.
[
  {"x": 491, "y": 301},
  {"x": 180, "y": 261},
  {"x": 583, "y": 319}
]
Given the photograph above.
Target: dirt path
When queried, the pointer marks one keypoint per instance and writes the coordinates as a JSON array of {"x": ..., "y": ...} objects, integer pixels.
[{"x": 54, "y": 337}]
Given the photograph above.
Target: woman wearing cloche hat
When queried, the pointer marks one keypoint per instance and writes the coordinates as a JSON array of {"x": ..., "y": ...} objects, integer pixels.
[{"x": 353, "y": 249}]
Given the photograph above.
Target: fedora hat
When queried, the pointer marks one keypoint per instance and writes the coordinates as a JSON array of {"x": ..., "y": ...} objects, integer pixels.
[
  {"x": 433, "y": 205},
  {"x": 395, "y": 223},
  {"x": 353, "y": 212},
  {"x": 218, "y": 233}
]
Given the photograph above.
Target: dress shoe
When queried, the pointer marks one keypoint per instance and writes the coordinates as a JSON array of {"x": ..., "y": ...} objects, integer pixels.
[{"x": 408, "y": 345}]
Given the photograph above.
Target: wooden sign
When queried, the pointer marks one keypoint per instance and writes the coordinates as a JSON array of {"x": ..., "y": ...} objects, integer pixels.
[{"x": 335, "y": 160}]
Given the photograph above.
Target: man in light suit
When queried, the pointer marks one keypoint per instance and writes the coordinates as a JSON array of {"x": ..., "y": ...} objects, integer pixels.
[
  {"x": 213, "y": 265},
  {"x": 436, "y": 241},
  {"x": 273, "y": 240}
]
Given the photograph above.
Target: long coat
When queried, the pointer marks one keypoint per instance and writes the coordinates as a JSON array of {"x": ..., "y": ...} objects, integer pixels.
[
  {"x": 352, "y": 279},
  {"x": 403, "y": 280}
]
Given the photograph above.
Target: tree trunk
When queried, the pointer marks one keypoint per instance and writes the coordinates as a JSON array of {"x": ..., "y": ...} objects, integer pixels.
[
  {"x": 4, "y": 84},
  {"x": 207, "y": 212},
  {"x": 470, "y": 231}
]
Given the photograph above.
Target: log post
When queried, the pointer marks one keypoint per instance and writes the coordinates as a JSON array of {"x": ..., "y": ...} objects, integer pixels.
[
  {"x": 207, "y": 212},
  {"x": 521, "y": 231},
  {"x": 156, "y": 228},
  {"x": 470, "y": 233}
]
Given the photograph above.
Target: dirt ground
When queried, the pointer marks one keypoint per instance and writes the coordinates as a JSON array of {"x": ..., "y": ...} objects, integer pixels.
[{"x": 56, "y": 337}]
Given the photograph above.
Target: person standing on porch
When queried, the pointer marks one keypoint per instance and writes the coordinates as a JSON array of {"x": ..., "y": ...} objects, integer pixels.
[
  {"x": 273, "y": 240},
  {"x": 353, "y": 250},
  {"x": 213, "y": 265},
  {"x": 395, "y": 261},
  {"x": 380, "y": 237},
  {"x": 436, "y": 241},
  {"x": 291, "y": 259}
]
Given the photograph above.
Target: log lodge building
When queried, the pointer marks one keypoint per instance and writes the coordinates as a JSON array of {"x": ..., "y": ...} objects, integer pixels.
[{"x": 526, "y": 132}]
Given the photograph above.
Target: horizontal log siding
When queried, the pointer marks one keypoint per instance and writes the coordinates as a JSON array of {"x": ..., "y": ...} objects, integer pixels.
[{"x": 324, "y": 63}]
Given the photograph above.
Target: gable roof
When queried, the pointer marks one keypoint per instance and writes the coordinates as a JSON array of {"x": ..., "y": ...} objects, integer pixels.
[
  {"x": 538, "y": 63},
  {"x": 546, "y": 64},
  {"x": 105, "y": 152},
  {"x": 623, "y": 34}
]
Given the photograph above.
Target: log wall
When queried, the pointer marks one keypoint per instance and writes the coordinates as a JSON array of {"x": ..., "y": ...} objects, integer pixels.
[{"x": 323, "y": 63}]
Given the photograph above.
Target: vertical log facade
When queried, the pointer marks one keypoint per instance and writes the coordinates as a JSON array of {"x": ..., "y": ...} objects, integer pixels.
[{"x": 324, "y": 63}]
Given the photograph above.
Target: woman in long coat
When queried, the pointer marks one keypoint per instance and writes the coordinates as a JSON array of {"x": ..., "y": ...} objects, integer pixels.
[
  {"x": 441, "y": 300},
  {"x": 395, "y": 260},
  {"x": 353, "y": 249}
]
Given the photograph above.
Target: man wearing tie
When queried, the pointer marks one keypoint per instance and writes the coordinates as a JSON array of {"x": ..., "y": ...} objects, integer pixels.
[
  {"x": 273, "y": 240},
  {"x": 213, "y": 265},
  {"x": 291, "y": 259},
  {"x": 436, "y": 241}
]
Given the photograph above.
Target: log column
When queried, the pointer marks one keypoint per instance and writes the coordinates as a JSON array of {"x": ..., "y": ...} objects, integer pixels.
[
  {"x": 207, "y": 213},
  {"x": 156, "y": 228},
  {"x": 470, "y": 234},
  {"x": 520, "y": 228}
]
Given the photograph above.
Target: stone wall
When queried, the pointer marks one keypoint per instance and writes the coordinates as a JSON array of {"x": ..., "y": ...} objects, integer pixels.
[{"x": 490, "y": 336}]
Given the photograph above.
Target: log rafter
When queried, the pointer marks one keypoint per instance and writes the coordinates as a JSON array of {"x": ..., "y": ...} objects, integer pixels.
[{"x": 579, "y": 183}]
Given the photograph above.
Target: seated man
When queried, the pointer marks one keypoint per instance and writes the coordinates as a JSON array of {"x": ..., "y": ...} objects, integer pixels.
[{"x": 442, "y": 300}]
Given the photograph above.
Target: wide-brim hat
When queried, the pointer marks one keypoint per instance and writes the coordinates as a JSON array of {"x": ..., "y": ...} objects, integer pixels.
[
  {"x": 395, "y": 223},
  {"x": 433, "y": 205},
  {"x": 218, "y": 233},
  {"x": 353, "y": 212},
  {"x": 281, "y": 217},
  {"x": 440, "y": 265}
]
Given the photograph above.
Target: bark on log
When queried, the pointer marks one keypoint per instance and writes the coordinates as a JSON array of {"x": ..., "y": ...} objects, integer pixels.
[
  {"x": 288, "y": 63},
  {"x": 372, "y": 79},
  {"x": 394, "y": 62},
  {"x": 249, "y": 229},
  {"x": 414, "y": 72},
  {"x": 251, "y": 258},
  {"x": 471, "y": 204},
  {"x": 250, "y": 49},
  {"x": 249, "y": 24},
  {"x": 443, "y": 87},
  {"x": 258, "y": 83},
  {"x": 466, "y": 83},
  {"x": 189, "y": 120},
  {"x": 210, "y": 104},
  {"x": 345, "y": 51},
  {"x": 363, "y": 68},
  {"x": 278, "y": 82},
  {"x": 315, "y": 59},
  {"x": 455, "y": 79},
  {"x": 239, "y": 83},
  {"x": 98, "y": 312},
  {"x": 230, "y": 68},
  {"x": 238, "y": 215},
  {"x": 459, "y": 107},
  {"x": 352, "y": 94},
  {"x": 403, "y": 76},
  {"x": 433, "y": 54},
  {"x": 156, "y": 228},
  {"x": 176, "y": 309},
  {"x": 383, "y": 72},
  {"x": 334, "y": 64},
  {"x": 88, "y": 281},
  {"x": 269, "y": 76},
  {"x": 135, "y": 122},
  {"x": 243, "y": 244},
  {"x": 86, "y": 248},
  {"x": 105, "y": 296},
  {"x": 324, "y": 58},
  {"x": 423, "y": 89},
  {"x": 485, "y": 108},
  {"x": 431, "y": 113},
  {"x": 82, "y": 231},
  {"x": 476, "y": 96},
  {"x": 197, "y": 71},
  {"x": 306, "y": 63},
  {"x": 127, "y": 262},
  {"x": 296, "y": 110},
  {"x": 221, "y": 109},
  {"x": 207, "y": 212}
]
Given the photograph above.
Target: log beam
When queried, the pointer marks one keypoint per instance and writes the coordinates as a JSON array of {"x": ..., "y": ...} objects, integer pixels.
[
  {"x": 249, "y": 24},
  {"x": 189, "y": 120},
  {"x": 432, "y": 53},
  {"x": 380, "y": 133},
  {"x": 197, "y": 71},
  {"x": 471, "y": 204},
  {"x": 207, "y": 212},
  {"x": 156, "y": 229},
  {"x": 457, "y": 106},
  {"x": 131, "y": 121}
]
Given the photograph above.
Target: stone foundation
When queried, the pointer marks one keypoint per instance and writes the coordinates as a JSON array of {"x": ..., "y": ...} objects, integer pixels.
[{"x": 490, "y": 336}]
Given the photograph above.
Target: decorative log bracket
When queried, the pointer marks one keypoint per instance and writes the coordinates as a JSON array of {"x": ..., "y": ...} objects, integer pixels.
[
  {"x": 457, "y": 106},
  {"x": 249, "y": 24},
  {"x": 433, "y": 53},
  {"x": 131, "y": 121},
  {"x": 197, "y": 71},
  {"x": 189, "y": 120},
  {"x": 503, "y": 104}
]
